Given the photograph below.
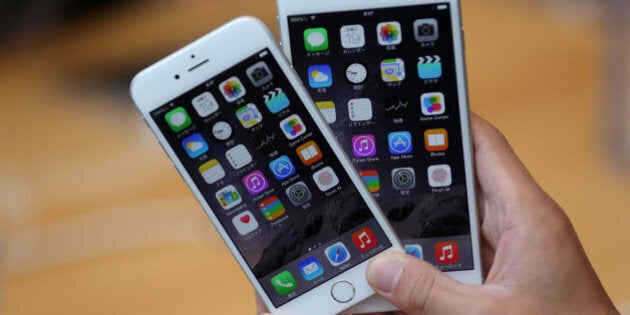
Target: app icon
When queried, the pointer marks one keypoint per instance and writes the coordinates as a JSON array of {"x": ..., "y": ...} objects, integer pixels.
[
  {"x": 245, "y": 223},
  {"x": 284, "y": 283},
  {"x": 446, "y": 253},
  {"x": 238, "y": 156},
  {"x": 195, "y": 145},
  {"x": 316, "y": 39},
  {"x": 309, "y": 153},
  {"x": 360, "y": 109},
  {"x": 282, "y": 168},
  {"x": 433, "y": 104},
  {"x": 228, "y": 197},
  {"x": 299, "y": 194},
  {"x": 265, "y": 142},
  {"x": 293, "y": 127},
  {"x": 326, "y": 179},
  {"x": 436, "y": 140},
  {"x": 310, "y": 268},
  {"x": 255, "y": 183},
  {"x": 364, "y": 239},
  {"x": 440, "y": 175},
  {"x": 320, "y": 76},
  {"x": 352, "y": 36},
  {"x": 393, "y": 70},
  {"x": 371, "y": 180},
  {"x": 178, "y": 119},
  {"x": 400, "y": 142},
  {"x": 276, "y": 100},
  {"x": 429, "y": 67},
  {"x": 328, "y": 110},
  {"x": 356, "y": 73},
  {"x": 212, "y": 171},
  {"x": 337, "y": 254},
  {"x": 426, "y": 30},
  {"x": 389, "y": 33},
  {"x": 396, "y": 106},
  {"x": 404, "y": 178},
  {"x": 222, "y": 130},
  {"x": 414, "y": 250},
  {"x": 363, "y": 146},
  {"x": 271, "y": 208},
  {"x": 259, "y": 74},
  {"x": 232, "y": 89},
  {"x": 205, "y": 104},
  {"x": 249, "y": 115}
]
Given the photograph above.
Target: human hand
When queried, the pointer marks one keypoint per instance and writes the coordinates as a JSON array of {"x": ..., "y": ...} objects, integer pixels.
[{"x": 534, "y": 259}]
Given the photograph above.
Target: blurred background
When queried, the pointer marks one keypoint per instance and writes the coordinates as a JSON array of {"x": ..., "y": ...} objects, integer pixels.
[{"x": 95, "y": 220}]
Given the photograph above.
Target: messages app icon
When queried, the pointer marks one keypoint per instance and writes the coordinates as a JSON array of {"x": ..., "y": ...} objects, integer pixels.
[
  {"x": 320, "y": 76},
  {"x": 178, "y": 119},
  {"x": 316, "y": 39}
]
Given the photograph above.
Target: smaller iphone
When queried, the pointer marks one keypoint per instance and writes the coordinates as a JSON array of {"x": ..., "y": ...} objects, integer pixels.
[{"x": 248, "y": 140}]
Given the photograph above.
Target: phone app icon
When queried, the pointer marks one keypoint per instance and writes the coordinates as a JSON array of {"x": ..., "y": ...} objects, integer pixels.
[
  {"x": 178, "y": 119},
  {"x": 440, "y": 176},
  {"x": 371, "y": 180},
  {"x": 414, "y": 250},
  {"x": 222, "y": 130},
  {"x": 282, "y": 168},
  {"x": 363, "y": 146},
  {"x": 433, "y": 104},
  {"x": 271, "y": 208},
  {"x": 352, "y": 36},
  {"x": 265, "y": 142},
  {"x": 259, "y": 74},
  {"x": 232, "y": 89},
  {"x": 205, "y": 104},
  {"x": 436, "y": 140},
  {"x": 396, "y": 107},
  {"x": 299, "y": 194},
  {"x": 326, "y": 179},
  {"x": 446, "y": 253},
  {"x": 276, "y": 100},
  {"x": 293, "y": 127},
  {"x": 310, "y": 268},
  {"x": 389, "y": 33},
  {"x": 309, "y": 153},
  {"x": 393, "y": 70},
  {"x": 255, "y": 182},
  {"x": 337, "y": 254},
  {"x": 211, "y": 171},
  {"x": 404, "y": 178},
  {"x": 364, "y": 239},
  {"x": 228, "y": 197},
  {"x": 429, "y": 67},
  {"x": 245, "y": 223},
  {"x": 320, "y": 76},
  {"x": 249, "y": 116},
  {"x": 400, "y": 142},
  {"x": 360, "y": 109},
  {"x": 195, "y": 145},
  {"x": 284, "y": 283},
  {"x": 426, "y": 30},
  {"x": 328, "y": 110},
  {"x": 238, "y": 156},
  {"x": 316, "y": 39}
]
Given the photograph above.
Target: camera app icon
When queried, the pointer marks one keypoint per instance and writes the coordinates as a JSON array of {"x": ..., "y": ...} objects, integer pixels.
[
  {"x": 426, "y": 30},
  {"x": 259, "y": 74}
]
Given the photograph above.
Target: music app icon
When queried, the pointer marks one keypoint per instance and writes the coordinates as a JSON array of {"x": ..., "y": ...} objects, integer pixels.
[
  {"x": 364, "y": 239},
  {"x": 446, "y": 253}
]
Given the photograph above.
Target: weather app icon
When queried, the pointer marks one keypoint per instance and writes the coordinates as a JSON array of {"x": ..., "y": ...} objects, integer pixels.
[
  {"x": 320, "y": 76},
  {"x": 195, "y": 145}
]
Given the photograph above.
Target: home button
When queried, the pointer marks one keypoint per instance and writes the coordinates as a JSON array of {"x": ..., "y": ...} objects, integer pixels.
[{"x": 342, "y": 291}]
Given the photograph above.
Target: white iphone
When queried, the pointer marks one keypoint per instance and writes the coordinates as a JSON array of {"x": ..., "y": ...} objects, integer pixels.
[
  {"x": 247, "y": 138},
  {"x": 389, "y": 77}
]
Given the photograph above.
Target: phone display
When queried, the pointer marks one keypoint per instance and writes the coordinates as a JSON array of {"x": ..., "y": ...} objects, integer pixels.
[
  {"x": 268, "y": 176},
  {"x": 388, "y": 82}
]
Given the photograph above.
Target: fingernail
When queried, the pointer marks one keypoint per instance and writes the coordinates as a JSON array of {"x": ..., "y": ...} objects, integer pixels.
[{"x": 384, "y": 272}]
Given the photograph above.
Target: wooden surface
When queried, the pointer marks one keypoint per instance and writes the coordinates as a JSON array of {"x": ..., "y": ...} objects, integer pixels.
[{"x": 94, "y": 220}]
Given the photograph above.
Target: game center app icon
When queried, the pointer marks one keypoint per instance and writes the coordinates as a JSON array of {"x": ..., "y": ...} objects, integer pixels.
[
  {"x": 446, "y": 253},
  {"x": 178, "y": 119},
  {"x": 195, "y": 145},
  {"x": 245, "y": 223},
  {"x": 433, "y": 104},
  {"x": 293, "y": 127},
  {"x": 232, "y": 89},
  {"x": 337, "y": 254},
  {"x": 228, "y": 197},
  {"x": 389, "y": 33},
  {"x": 320, "y": 76},
  {"x": 310, "y": 268},
  {"x": 271, "y": 208},
  {"x": 364, "y": 239}
]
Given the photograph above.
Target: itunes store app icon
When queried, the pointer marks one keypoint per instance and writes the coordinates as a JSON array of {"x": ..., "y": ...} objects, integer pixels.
[{"x": 363, "y": 146}]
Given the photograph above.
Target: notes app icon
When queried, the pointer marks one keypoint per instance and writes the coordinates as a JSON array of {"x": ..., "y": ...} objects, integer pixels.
[{"x": 364, "y": 239}]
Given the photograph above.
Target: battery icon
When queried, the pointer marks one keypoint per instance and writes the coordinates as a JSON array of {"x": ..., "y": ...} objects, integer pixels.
[{"x": 442, "y": 7}]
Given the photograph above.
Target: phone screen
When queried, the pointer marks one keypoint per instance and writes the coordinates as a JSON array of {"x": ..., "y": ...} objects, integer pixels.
[
  {"x": 385, "y": 81},
  {"x": 270, "y": 177}
]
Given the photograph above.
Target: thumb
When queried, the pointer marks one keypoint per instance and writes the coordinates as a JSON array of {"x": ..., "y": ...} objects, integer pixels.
[{"x": 416, "y": 287}]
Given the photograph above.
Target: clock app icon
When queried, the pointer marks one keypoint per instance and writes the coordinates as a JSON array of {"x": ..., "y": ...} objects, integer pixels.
[{"x": 356, "y": 73}]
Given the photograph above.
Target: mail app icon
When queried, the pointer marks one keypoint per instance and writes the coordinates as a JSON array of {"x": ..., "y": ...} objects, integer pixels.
[{"x": 310, "y": 268}]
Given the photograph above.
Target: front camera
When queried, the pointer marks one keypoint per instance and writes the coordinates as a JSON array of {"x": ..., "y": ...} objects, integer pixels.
[{"x": 177, "y": 77}]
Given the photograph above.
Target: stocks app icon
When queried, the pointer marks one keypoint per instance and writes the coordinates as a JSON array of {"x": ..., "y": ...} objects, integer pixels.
[{"x": 396, "y": 107}]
